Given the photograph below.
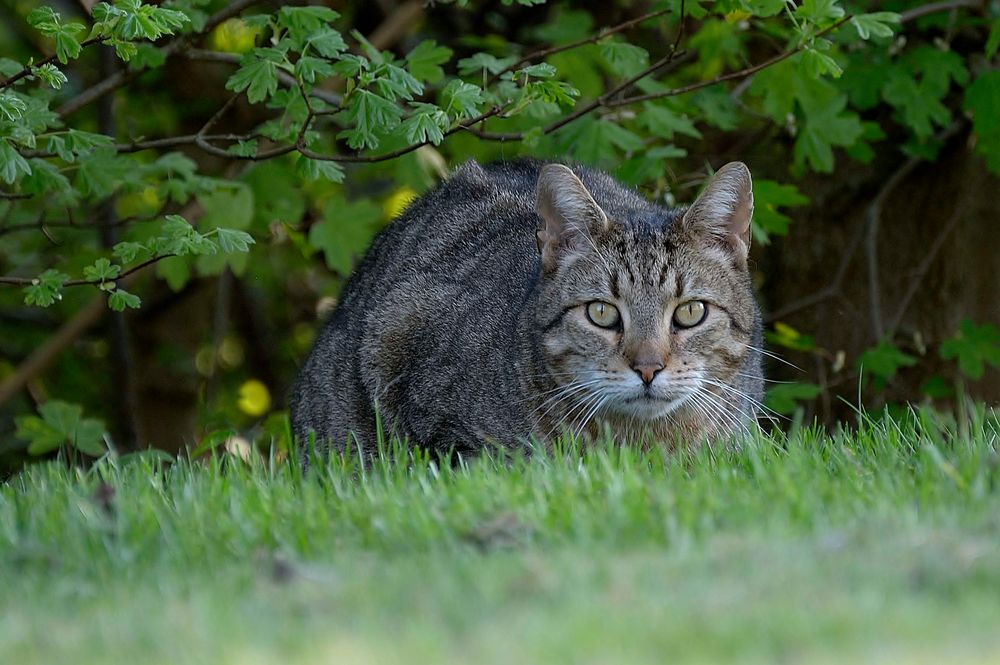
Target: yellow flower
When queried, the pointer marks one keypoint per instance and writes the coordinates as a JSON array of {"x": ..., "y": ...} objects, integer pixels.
[
  {"x": 398, "y": 200},
  {"x": 255, "y": 399},
  {"x": 233, "y": 36},
  {"x": 138, "y": 204}
]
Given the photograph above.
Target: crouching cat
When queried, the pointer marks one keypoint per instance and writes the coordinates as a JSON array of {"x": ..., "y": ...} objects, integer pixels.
[{"x": 520, "y": 300}]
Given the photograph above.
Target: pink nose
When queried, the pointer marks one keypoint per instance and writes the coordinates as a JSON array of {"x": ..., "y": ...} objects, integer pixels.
[{"x": 647, "y": 371}]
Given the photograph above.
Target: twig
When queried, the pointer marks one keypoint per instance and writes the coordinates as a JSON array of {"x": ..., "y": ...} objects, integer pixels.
[
  {"x": 914, "y": 283},
  {"x": 743, "y": 73},
  {"x": 121, "y": 77},
  {"x": 935, "y": 7},
  {"x": 369, "y": 159},
  {"x": 284, "y": 78},
  {"x": 830, "y": 290},
  {"x": 874, "y": 221},
  {"x": 29, "y": 68},
  {"x": 28, "y": 281},
  {"x": 593, "y": 39}
]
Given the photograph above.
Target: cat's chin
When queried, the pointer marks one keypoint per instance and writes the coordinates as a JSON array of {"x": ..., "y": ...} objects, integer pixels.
[{"x": 649, "y": 407}]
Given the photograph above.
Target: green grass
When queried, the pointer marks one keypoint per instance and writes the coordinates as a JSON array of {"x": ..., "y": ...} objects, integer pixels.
[{"x": 881, "y": 545}]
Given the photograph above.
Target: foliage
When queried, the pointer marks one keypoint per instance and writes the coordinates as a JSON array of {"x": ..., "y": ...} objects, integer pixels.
[{"x": 304, "y": 131}]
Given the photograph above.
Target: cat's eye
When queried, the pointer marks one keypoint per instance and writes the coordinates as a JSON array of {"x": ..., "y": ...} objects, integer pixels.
[
  {"x": 690, "y": 314},
  {"x": 602, "y": 314}
]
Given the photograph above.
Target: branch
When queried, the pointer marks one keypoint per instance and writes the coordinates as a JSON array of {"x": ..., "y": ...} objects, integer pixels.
[
  {"x": 606, "y": 101},
  {"x": 121, "y": 77},
  {"x": 369, "y": 159},
  {"x": 743, "y": 73},
  {"x": 593, "y": 39},
  {"x": 42, "y": 225},
  {"x": 284, "y": 78},
  {"x": 874, "y": 221},
  {"x": 29, "y": 68},
  {"x": 935, "y": 7},
  {"x": 28, "y": 281}
]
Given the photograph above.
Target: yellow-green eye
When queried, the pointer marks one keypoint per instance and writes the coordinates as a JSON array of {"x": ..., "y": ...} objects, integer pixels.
[
  {"x": 603, "y": 314},
  {"x": 690, "y": 314}
]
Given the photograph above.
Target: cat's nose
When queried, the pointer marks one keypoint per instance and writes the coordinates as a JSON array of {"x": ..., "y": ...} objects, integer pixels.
[{"x": 647, "y": 371}]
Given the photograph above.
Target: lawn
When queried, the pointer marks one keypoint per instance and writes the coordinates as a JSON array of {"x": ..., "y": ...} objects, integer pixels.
[{"x": 875, "y": 545}]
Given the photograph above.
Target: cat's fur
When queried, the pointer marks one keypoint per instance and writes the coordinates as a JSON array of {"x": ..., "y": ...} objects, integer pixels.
[{"x": 466, "y": 322}]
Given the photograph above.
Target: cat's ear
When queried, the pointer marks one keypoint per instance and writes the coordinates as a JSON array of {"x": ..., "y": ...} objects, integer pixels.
[
  {"x": 570, "y": 215},
  {"x": 725, "y": 208}
]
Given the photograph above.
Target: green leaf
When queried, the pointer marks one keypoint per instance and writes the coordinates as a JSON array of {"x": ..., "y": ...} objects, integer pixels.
[
  {"x": 45, "y": 178},
  {"x": 12, "y": 106},
  {"x": 12, "y": 164},
  {"x": 175, "y": 271},
  {"x": 883, "y": 361},
  {"x": 127, "y": 252},
  {"x": 826, "y": 124},
  {"x": 982, "y": 98},
  {"x": 316, "y": 169},
  {"x": 102, "y": 271},
  {"x": 817, "y": 64},
  {"x": 256, "y": 75},
  {"x": 875, "y": 24},
  {"x": 542, "y": 70},
  {"x": 597, "y": 141},
  {"x": 345, "y": 232},
  {"x": 993, "y": 42},
  {"x": 428, "y": 124},
  {"x": 768, "y": 197},
  {"x": 309, "y": 69},
  {"x": 424, "y": 61},
  {"x": 45, "y": 289},
  {"x": 461, "y": 100},
  {"x": 61, "y": 424},
  {"x": 51, "y": 75},
  {"x": 243, "y": 148},
  {"x": 819, "y": 11},
  {"x": 783, "y": 397},
  {"x": 664, "y": 122},
  {"x": 102, "y": 171},
  {"x": 790, "y": 338},
  {"x": 974, "y": 347},
  {"x": 119, "y": 299},
  {"x": 231, "y": 240},
  {"x": 480, "y": 62},
  {"x": 328, "y": 42},
  {"x": 624, "y": 58},
  {"x": 67, "y": 46},
  {"x": 370, "y": 115},
  {"x": 919, "y": 107},
  {"x": 937, "y": 387}
]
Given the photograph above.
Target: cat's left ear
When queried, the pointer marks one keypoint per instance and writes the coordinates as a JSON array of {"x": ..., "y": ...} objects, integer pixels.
[{"x": 725, "y": 208}]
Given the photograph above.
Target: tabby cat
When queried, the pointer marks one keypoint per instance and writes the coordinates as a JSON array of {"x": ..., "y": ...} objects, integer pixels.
[{"x": 521, "y": 300}]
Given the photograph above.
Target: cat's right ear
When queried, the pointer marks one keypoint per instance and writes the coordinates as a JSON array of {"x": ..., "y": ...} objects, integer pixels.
[
  {"x": 724, "y": 209},
  {"x": 570, "y": 215}
]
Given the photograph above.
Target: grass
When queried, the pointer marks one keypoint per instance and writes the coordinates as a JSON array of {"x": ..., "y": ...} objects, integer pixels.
[{"x": 879, "y": 545}]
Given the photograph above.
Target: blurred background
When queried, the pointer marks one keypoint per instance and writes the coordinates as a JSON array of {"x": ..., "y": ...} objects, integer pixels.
[{"x": 874, "y": 144}]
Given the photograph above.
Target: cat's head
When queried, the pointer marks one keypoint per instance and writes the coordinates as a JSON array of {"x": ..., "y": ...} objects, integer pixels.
[{"x": 643, "y": 310}]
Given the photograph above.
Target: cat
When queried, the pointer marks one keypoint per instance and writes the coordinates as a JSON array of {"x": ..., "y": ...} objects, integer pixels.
[{"x": 525, "y": 299}]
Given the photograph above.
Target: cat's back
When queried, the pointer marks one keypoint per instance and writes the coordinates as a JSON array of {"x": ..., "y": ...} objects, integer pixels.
[{"x": 432, "y": 310}]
